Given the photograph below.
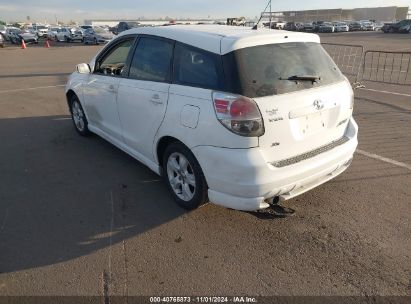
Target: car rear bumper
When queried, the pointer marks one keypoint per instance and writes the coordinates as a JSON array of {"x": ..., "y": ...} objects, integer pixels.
[{"x": 242, "y": 179}]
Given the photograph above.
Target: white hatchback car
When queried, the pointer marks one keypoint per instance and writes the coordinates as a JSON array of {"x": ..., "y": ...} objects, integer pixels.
[{"x": 230, "y": 115}]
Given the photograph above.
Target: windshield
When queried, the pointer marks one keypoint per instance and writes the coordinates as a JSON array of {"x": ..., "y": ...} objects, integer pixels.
[
  {"x": 265, "y": 70},
  {"x": 54, "y": 29}
]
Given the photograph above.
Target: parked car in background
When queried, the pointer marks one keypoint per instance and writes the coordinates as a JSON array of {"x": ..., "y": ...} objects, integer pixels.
[
  {"x": 378, "y": 26},
  {"x": 97, "y": 35},
  {"x": 85, "y": 27},
  {"x": 41, "y": 30},
  {"x": 179, "y": 99},
  {"x": 9, "y": 32},
  {"x": 69, "y": 34},
  {"x": 3, "y": 29},
  {"x": 341, "y": 27},
  {"x": 279, "y": 25},
  {"x": 395, "y": 28},
  {"x": 275, "y": 25},
  {"x": 63, "y": 34},
  {"x": 299, "y": 26},
  {"x": 317, "y": 25},
  {"x": 52, "y": 33},
  {"x": 405, "y": 29},
  {"x": 308, "y": 27},
  {"x": 124, "y": 26},
  {"x": 368, "y": 26},
  {"x": 355, "y": 26},
  {"x": 18, "y": 36},
  {"x": 386, "y": 27},
  {"x": 2, "y": 43},
  {"x": 290, "y": 26},
  {"x": 326, "y": 27}
]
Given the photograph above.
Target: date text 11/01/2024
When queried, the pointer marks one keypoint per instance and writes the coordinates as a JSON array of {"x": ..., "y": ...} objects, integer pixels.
[{"x": 203, "y": 300}]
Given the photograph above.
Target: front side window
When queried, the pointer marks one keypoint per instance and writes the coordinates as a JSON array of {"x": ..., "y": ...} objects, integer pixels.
[
  {"x": 113, "y": 63},
  {"x": 275, "y": 69},
  {"x": 197, "y": 68},
  {"x": 152, "y": 60}
]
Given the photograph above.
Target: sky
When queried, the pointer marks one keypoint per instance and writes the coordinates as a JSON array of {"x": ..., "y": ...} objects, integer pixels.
[{"x": 78, "y": 10}]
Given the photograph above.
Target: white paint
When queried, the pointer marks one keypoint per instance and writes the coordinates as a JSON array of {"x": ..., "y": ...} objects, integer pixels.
[
  {"x": 222, "y": 39},
  {"x": 384, "y": 159},
  {"x": 29, "y": 89},
  {"x": 386, "y": 92}
]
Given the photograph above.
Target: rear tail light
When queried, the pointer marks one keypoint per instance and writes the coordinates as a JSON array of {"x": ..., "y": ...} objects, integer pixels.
[{"x": 239, "y": 114}]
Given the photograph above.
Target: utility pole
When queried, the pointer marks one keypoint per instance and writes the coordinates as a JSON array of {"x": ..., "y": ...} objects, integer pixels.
[{"x": 270, "y": 13}]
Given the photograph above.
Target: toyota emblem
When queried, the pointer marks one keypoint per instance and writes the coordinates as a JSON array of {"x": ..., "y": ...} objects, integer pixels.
[{"x": 318, "y": 104}]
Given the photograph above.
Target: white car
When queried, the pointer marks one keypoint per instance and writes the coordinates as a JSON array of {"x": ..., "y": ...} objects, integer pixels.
[
  {"x": 69, "y": 34},
  {"x": 231, "y": 115},
  {"x": 41, "y": 30},
  {"x": 52, "y": 33},
  {"x": 341, "y": 27}
]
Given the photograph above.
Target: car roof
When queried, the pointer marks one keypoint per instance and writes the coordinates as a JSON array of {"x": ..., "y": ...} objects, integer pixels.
[{"x": 221, "y": 39}]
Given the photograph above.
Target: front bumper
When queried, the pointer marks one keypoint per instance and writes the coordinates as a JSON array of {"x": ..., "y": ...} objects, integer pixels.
[{"x": 242, "y": 179}]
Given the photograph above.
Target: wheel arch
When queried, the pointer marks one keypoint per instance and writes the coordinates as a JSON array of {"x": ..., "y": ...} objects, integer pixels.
[
  {"x": 69, "y": 94},
  {"x": 162, "y": 145}
]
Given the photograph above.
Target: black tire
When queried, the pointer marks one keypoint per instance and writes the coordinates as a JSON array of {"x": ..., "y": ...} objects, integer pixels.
[
  {"x": 77, "y": 113},
  {"x": 95, "y": 41},
  {"x": 200, "y": 192},
  {"x": 66, "y": 39}
]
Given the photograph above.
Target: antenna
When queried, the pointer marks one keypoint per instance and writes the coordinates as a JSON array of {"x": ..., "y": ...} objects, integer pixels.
[{"x": 255, "y": 27}]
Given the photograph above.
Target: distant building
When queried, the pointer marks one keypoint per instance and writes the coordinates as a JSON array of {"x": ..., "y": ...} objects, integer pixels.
[
  {"x": 114, "y": 22},
  {"x": 387, "y": 14}
]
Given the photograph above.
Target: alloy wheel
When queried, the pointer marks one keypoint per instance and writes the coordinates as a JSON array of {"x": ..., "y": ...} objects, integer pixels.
[
  {"x": 181, "y": 176},
  {"x": 78, "y": 116}
]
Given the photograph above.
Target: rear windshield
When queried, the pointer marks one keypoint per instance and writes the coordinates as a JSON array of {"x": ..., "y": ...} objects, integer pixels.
[{"x": 264, "y": 70}]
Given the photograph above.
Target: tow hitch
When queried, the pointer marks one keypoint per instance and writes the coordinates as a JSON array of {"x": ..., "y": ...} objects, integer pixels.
[{"x": 276, "y": 210}]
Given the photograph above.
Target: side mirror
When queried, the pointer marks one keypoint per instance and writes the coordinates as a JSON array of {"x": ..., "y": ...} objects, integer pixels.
[{"x": 83, "y": 68}]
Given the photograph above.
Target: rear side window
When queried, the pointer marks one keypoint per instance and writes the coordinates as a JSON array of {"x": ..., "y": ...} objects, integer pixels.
[
  {"x": 197, "y": 68},
  {"x": 152, "y": 60},
  {"x": 264, "y": 70}
]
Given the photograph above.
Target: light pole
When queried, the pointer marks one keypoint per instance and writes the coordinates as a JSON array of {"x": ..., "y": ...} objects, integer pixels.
[{"x": 271, "y": 14}]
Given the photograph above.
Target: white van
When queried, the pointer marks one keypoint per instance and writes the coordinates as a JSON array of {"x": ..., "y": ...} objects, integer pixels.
[{"x": 230, "y": 115}]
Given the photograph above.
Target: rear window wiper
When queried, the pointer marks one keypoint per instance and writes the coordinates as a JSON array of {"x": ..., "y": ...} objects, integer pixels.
[{"x": 312, "y": 78}]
